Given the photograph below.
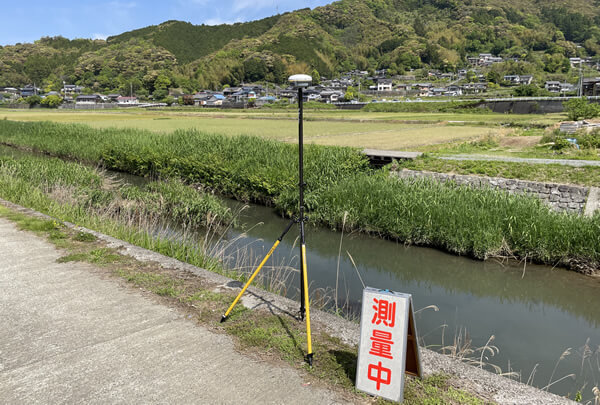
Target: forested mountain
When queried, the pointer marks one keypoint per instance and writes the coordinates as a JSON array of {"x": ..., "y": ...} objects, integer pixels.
[{"x": 397, "y": 35}]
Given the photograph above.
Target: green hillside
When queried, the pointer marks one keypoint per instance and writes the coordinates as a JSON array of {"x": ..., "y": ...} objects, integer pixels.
[{"x": 398, "y": 35}]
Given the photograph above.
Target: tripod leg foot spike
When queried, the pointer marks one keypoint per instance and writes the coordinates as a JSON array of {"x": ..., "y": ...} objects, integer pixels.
[
  {"x": 223, "y": 318},
  {"x": 309, "y": 359}
]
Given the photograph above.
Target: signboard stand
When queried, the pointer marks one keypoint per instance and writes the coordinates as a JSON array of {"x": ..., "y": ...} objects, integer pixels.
[{"x": 388, "y": 347}]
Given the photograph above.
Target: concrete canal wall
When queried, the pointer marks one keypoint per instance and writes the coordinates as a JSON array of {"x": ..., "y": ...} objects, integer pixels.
[{"x": 560, "y": 197}]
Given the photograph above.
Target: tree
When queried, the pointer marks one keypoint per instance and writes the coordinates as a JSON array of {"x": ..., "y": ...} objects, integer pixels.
[
  {"x": 162, "y": 82},
  {"x": 527, "y": 90},
  {"x": 577, "y": 108},
  {"x": 316, "y": 76},
  {"x": 160, "y": 94},
  {"x": 169, "y": 100},
  {"x": 52, "y": 101},
  {"x": 351, "y": 93},
  {"x": 255, "y": 69},
  {"x": 494, "y": 77},
  {"x": 33, "y": 100}
]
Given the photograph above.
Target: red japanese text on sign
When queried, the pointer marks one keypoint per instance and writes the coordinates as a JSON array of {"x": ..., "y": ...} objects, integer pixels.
[
  {"x": 381, "y": 344},
  {"x": 385, "y": 312},
  {"x": 378, "y": 377}
]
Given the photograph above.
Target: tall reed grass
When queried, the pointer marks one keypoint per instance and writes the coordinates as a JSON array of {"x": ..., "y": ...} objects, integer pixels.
[
  {"x": 86, "y": 189},
  {"x": 477, "y": 222}
]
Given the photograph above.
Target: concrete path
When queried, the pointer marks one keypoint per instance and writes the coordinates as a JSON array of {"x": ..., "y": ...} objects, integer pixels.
[
  {"x": 69, "y": 336},
  {"x": 565, "y": 162}
]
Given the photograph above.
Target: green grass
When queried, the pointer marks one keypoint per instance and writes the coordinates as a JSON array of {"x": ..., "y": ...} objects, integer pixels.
[
  {"x": 85, "y": 237},
  {"x": 554, "y": 173},
  {"x": 96, "y": 256},
  {"x": 157, "y": 283},
  {"x": 481, "y": 223}
]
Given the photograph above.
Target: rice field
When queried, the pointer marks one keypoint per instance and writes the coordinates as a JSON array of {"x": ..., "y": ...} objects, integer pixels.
[{"x": 393, "y": 131}]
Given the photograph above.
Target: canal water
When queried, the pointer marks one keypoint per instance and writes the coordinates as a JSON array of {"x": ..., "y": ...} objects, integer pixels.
[{"x": 535, "y": 314}]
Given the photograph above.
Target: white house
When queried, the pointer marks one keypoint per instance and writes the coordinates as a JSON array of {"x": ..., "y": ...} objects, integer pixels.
[
  {"x": 127, "y": 100},
  {"x": 384, "y": 85}
]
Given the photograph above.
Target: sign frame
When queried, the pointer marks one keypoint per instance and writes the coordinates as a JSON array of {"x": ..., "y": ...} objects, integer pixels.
[{"x": 406, "y": 347}]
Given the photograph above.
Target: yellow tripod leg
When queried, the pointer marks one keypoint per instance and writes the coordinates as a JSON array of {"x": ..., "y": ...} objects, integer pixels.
[
  {"x": 309, "y": 355},
  {"x": 260, "y": 266}
]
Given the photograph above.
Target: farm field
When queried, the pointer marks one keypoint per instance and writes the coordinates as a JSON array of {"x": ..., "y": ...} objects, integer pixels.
[{"x": 394, "y": 131}]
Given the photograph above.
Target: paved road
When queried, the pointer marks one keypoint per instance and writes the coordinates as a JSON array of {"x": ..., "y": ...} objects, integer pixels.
[
  {"x": 70, "y": 336},
  {"x": 565, "y": 162}
]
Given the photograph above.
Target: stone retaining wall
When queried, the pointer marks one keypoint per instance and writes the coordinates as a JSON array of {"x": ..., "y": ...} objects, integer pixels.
[{"x": 561, "y": 197}]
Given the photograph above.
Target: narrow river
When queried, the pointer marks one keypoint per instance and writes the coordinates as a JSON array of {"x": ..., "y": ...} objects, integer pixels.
[{"x": 535, "y": 313}]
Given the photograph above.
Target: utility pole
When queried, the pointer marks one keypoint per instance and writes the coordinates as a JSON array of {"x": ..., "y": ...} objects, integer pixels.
[{"x": 580, "y": 79}]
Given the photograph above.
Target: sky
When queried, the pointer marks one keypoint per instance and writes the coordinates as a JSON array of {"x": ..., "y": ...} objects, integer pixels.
[{"x": 29, "y": 20}]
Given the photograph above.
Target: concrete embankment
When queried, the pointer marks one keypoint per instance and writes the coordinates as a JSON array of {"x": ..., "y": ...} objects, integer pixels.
[{"x": 50, "y": 353}]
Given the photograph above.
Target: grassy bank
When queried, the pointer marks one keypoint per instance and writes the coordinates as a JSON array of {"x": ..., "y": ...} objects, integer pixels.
[
  {"x": 83, "y": 195},
  {"x": 478, "y": 223}
]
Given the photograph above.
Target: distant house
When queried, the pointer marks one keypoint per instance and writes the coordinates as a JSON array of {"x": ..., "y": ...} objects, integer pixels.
[
  {"x": 403, "y": 87},
  {"x": 591, "y": 86},
  {"x": 384, "y": 85},
  {"x": 126, "y": 101},
  {"x": 484, "y": 59},
  {"x": 215, "y": 100},
  {"x": 228, "y": 91},
  {"x": 518, "y": 79},
  {"x": 558, "y": 87},
  {"x": 423, "y": 89},
  {"x": 10, "y": 90},
  {"x": 453, "y": 90},
  {"x": 331, "y": 96},
  {"x": 72, "y": 89},
  {"x": 208, "y": 99},
  {"x": 512, "y": 79},
  {"x": 437, "y": 91},
  {"x": 474, "y": 88},
  {"x": 114, "y": 98},
  {"x": 525, "y": 79},
  {"x": 88, "y": 99},
  {"x": 29, "y": 90},
  {"x": 552, "y": 86},
  {"x": 567, "y": 88}
]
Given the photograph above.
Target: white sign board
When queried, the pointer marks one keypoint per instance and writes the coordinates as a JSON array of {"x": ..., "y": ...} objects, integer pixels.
[{"x": 388, "y": 344}]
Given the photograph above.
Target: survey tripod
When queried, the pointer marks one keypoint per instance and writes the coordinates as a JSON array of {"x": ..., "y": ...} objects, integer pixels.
[{"x": 300, "y": 81}]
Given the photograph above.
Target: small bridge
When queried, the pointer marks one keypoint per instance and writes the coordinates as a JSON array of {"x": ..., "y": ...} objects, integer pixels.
[{"x": 381, "y": 158}]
